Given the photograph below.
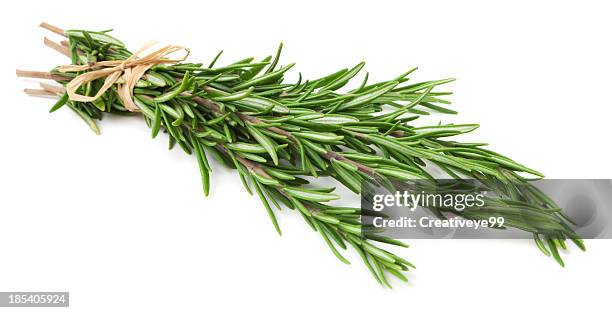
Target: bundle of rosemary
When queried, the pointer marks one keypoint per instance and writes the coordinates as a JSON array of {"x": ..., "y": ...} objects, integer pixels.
[{"x": 278, "y": 134}]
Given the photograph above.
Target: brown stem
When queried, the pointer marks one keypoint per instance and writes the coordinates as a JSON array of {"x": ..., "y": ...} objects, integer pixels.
[
  {"x": 244, "y": 117},
  {"x": 255, "y": 167},
  {"x": 398, "y": 133},
  {"x": 41, "y": 75},
  {"x": 52, "y": 28},
  {"x": 250, "y": 165},
  {"x": 39, "y": 93},
  {"x": 276, "y": 130},
  {"x": 361, "y": 167},
  {"x": 255, "y": 120},
  {"x": 58, "y": 90},
  {"x": 57, "y": 47},
  {"x": 207, "y": 104}
]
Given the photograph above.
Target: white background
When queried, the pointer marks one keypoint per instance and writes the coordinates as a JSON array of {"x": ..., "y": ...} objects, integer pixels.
[{"x": 120, "y": 222}]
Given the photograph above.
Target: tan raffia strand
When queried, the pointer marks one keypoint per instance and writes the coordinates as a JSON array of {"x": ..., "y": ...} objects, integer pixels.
[{"x": 129, "y": 70}]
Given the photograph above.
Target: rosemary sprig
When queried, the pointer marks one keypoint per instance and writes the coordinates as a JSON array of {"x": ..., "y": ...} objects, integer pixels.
[{"x": 277, "y": 134}]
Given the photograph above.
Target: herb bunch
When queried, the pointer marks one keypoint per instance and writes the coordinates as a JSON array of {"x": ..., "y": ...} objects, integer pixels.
[{"x": 278, "y": 134}]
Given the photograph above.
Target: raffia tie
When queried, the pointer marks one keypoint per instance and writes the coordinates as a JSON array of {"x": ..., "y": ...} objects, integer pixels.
[{"x": 129, "y": 70}]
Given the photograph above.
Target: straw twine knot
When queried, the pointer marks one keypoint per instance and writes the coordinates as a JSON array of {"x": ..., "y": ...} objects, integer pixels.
[{"x": 129, "y": 70}]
